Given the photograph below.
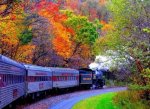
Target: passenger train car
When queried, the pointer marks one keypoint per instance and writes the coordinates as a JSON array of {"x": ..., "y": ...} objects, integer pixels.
[
  {"x": 65, "y": 77},
  {"x": 38, "y": 78},
  {"x": 21, "y": 80},
  {"x": 12, "y": 81}
]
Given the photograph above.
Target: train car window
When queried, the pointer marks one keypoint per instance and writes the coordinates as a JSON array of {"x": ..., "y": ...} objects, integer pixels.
[
  {"x": 57, "y": 78},
  {"x": 67, "y": 78},
  {"x": 8, "y": 79},
  {"x": 1, "y": 77},
  {"x": 5, "y": 79},
  {"x": 33, "y": 78},
  {"x": 11, "y": 79},
  {"x": 64, "y": 78},
  {"x": 39, "y": 78},
  {"x": 18, "y": 79},
  {"x": 42, "y": 78},
  {"x": 21, "y": 79}
]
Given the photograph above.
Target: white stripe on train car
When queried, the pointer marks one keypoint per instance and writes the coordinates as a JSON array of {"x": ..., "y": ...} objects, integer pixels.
[
  {"x": 39, "y": 86},
  {"x": 65, "y": 84}
]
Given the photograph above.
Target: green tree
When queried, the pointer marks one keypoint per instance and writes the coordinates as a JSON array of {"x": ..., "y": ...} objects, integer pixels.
[{"x": 130, "y": 36}]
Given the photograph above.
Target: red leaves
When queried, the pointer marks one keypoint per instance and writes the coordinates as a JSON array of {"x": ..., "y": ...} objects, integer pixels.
[
  {"x": 13, "y": 17},
  {"x": 60, "y": 18},
  {"x": 50, "y": 7},
  {"x": 71, "y": 31}
]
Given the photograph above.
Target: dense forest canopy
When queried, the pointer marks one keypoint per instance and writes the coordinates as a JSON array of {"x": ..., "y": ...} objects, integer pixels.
[
  {"x": 70, "y": 33},
  {"x": 52, "y": 32}
]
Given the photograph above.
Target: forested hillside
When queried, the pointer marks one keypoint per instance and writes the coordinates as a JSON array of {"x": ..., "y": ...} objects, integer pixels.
[
  {"x": 52, "y": 33},
  {"x": 70, "y": 33}
]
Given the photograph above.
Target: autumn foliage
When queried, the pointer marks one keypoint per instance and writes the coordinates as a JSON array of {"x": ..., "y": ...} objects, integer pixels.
[{"x": 71, "y": 42}]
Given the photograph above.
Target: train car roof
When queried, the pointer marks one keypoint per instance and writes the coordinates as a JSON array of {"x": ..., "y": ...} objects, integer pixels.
[
  {"x": 86, "y": 69},
  {"x": 63, "y": 69},
  {"x": 35, "y": 67},
  {"x": 10, "y": 61}
]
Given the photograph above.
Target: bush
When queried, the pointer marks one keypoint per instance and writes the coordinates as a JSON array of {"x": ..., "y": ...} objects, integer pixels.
[
  {"x": 113, "y": 83},
  {"x": 130, "y": 100}
]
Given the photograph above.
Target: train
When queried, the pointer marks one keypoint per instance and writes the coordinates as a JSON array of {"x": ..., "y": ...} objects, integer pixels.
[{"x": 20, "y": 80}]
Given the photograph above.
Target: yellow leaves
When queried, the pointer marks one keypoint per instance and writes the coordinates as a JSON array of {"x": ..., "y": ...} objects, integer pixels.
[
  {"x": 25, "y": 53},
  {"x": 8, "y": 42},
  {"x": 102, "y": 2},
  {"x": 106, "y": 26},
  {"x": 85, "y": 51},
  {"x": 2, "y": 8},
  {"x": 11, "y": 25}
]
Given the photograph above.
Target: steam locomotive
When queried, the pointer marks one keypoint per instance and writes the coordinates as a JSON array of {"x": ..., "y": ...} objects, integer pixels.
[{"x": 20, "y": 80}]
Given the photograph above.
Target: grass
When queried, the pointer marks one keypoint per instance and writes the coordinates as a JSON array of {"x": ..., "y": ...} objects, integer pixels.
[
  {"x": 130, "y": 100},
  {"x": 114, "y": 100},
  {"x": 103, "y": 101}
]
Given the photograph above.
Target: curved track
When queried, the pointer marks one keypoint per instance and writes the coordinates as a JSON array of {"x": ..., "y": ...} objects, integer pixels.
[{"x": 68, "y": 103}]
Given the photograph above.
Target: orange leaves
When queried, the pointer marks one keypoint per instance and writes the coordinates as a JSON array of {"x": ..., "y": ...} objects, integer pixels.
[
  {"x": 60, "y": 18},
  {"x": 13, "y": 17},
  {"x": 85, "y": 51},
  {"x": 62, "y": 46},
  {"x": 25, "y": 53},
  {"x": 106, "y": 26},
  {"x": 61, "y": 41},
  {"x": 47, "y": 8},
  {"x": 102, "y": 2},
  {"x": 71, "y": 31},
  {"x": 10, "y": 46}
]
